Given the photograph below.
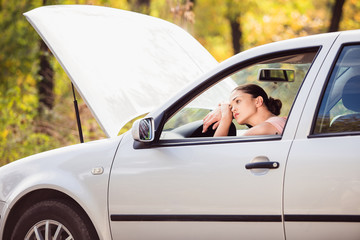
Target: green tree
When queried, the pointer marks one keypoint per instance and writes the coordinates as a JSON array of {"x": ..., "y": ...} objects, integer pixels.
[{"x": 17, "y": 81}]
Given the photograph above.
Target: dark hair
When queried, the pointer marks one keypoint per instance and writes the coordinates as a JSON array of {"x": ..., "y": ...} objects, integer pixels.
[{"x": 273, "y": 105}]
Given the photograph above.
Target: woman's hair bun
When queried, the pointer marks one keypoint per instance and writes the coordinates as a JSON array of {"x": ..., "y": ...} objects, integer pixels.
[{"x": 274, "y": 106}]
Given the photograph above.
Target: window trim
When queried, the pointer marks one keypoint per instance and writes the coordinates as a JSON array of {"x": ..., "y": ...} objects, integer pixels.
[
  {"x": 207, "y": 141},
  {"x": 340, "y": 134}
]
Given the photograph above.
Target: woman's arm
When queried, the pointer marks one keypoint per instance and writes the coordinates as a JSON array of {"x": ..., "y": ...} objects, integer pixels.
[
  {"x": 212, "y": 117},
  {"x": 225, "y": 121}
]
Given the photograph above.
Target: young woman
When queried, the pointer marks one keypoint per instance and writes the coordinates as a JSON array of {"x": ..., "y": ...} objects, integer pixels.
[{"x": 249, "y": 104}]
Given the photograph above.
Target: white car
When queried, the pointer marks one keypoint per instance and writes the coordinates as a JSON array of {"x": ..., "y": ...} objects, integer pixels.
[{"x": 166, "y": 179}]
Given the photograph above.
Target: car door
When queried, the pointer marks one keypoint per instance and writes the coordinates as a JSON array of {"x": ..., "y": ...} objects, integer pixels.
[
  {"x": 200, "y": 188},
  {"x": 322, "y": 180},
  {"x": 198, "y": 191}
]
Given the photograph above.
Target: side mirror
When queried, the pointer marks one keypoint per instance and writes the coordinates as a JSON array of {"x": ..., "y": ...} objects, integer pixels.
[
  {"x": 143, "y": 130},
  {"x": 276, "y": 75}
]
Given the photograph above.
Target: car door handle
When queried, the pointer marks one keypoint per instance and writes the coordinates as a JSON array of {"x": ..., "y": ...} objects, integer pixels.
[{"x": 269, "y": 165}]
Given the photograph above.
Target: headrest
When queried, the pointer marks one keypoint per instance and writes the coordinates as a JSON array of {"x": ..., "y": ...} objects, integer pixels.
[
  {"x": 351, "y": 94},
  {"x": 351, "y": 57}
]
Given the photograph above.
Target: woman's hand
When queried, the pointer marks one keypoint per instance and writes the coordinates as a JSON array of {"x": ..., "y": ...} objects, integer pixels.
[
  {"x": 212, "y": 117},
  {"x": 221, "y": 113},
  {"x": 225, "y": 122},
  {"x": 226, "y": 113}
]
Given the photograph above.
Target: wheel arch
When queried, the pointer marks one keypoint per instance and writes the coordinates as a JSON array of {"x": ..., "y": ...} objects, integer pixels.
[{"x": 38, "y": 196}]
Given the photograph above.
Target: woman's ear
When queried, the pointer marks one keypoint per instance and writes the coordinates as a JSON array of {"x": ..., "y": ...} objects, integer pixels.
[{"x": 259, "y": 101}]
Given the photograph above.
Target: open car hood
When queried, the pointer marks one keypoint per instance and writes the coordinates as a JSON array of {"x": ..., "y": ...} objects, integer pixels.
[{"x": 122, "y": 63}]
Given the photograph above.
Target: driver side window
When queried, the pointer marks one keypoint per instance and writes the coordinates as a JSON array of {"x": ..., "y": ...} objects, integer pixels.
[{"x": 280, "y": 77}]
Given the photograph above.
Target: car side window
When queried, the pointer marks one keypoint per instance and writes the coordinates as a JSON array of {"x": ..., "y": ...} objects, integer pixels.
[
  {"x": 339, "y": 111},
  {"x": 280, "y": 77}
]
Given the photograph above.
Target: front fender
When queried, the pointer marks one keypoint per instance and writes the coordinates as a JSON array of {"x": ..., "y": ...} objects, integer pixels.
[{"x": 80, "y": 171}]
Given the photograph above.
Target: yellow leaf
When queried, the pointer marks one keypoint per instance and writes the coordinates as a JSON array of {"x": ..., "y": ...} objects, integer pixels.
[{"x": 4, "y": 134}]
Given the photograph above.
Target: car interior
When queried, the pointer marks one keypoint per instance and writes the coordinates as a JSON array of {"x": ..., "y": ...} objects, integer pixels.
[
  {"x": 351, "y": 101},
  {"x": 340, "y": 108}
]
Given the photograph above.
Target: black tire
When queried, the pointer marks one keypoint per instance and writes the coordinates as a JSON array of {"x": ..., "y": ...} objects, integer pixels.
[{"x": 53, "y": 215}]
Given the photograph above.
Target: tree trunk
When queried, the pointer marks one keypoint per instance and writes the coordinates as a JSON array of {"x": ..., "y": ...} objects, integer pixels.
[
  {"x": 46, "y": 83},
  {"x": 233, "y": 14},
  {"x": 236, "y": 34},
  {"x": 46, "y": 73},
  {"x": 336, "y": 15},
  {"x": 141, "y": 6}
]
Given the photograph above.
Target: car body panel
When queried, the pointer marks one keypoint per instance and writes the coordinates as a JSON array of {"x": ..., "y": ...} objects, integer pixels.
[
  {"x": 67, "y": 170},
  {"x": 120, "y": 61},
  {"x": 199, "y": 181},
  {"x": 329, "y": 162}
]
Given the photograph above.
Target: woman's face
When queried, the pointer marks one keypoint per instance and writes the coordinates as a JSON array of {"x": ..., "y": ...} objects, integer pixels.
[{"x": 242, "y": 106}]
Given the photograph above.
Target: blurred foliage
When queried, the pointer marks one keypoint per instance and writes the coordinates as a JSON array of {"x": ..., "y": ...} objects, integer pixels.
[{"x": 23, "y": 132}]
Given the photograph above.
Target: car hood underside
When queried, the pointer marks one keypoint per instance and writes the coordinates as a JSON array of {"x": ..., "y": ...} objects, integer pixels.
[{"x": 122, "y": 63}]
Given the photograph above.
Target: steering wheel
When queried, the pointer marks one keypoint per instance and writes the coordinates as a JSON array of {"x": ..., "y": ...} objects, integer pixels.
[
  {"x": 194, "y": 129},
  {"x": 210, "y": 131}
]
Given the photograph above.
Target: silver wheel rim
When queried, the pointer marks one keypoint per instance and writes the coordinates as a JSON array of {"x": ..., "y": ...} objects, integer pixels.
[{"x": 48, "y": 230}]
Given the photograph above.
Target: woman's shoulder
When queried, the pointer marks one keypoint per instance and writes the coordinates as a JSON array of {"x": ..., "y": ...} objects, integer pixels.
[
  {"x": 272, "y": 126},
  {"x": 277, "y": 122},
  {"x": 277, "y": 119},
  {"x": 264, "y": 128}
]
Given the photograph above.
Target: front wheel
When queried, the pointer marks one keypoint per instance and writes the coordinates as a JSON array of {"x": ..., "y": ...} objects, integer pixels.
[{"x": 52, "y": 219}]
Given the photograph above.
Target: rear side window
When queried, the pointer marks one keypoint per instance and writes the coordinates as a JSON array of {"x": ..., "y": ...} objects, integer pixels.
[{"x": 339, "y": 111}]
